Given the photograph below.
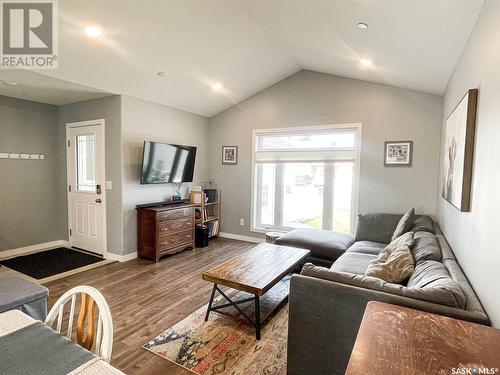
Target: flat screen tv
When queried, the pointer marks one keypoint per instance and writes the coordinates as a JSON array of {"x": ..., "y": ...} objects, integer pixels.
[{"x": 164, "y": 163}]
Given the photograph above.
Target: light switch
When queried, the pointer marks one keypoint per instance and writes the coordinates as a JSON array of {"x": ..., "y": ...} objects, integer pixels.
[{"x": 109, "y": 185}]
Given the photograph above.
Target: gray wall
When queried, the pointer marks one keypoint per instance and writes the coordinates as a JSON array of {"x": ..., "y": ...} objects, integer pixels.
[
  {"x": 473, "y": 235},
  {"x": 42, "y": 184},
  {"x": 310, "y": 98},
  {"x": 30, "y": 208},
  {"x": 142, "y": 120},
  {"x": 109, "y": 109}
]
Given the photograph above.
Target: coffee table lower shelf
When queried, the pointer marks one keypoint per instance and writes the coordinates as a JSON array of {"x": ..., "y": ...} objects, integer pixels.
[{"x": 254, "y": 308}]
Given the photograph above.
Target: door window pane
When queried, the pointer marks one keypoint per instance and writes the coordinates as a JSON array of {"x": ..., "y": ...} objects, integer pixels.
[
  {"x": 342, "y": 196},
  {"x": 303, "y": 195},
  {"x": 85, "y": 163}
]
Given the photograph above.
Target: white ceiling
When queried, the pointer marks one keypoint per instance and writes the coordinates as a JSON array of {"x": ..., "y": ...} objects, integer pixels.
[
  {"x": 249, "y": 45},
  {"x": 43, "y": 89}
]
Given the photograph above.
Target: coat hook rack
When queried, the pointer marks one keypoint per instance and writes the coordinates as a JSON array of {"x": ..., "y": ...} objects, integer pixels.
[{"x": 24, "y": 155}]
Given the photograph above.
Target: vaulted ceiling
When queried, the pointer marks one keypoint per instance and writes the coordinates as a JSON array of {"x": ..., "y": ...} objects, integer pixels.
[{"x": 248, "y": 45}]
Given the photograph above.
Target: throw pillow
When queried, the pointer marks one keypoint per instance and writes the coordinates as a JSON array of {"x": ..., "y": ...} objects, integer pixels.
[
  {"x": 376, "y": 227},
  {"x": 395, "y": 263},
  {"x": 423, "y": 223},
  {"x": 405, "y": 224}
]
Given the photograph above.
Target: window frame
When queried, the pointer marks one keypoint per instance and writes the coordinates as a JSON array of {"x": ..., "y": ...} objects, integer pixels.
[{"x": 357, "y": 127}]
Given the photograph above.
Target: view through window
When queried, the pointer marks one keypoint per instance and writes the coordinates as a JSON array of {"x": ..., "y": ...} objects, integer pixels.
[
  {"x": 306, "y": 178},
  {"x": 85, "y": 165}
]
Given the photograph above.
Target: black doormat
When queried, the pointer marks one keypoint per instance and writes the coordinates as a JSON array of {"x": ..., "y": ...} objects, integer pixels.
[{"x": 50, "y": 262}]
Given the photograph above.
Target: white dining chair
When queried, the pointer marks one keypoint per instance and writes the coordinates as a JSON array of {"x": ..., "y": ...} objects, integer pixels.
[{"x": 96, "y": 337}]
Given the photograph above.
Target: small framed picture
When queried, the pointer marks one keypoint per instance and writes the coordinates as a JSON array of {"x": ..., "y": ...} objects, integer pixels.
[
  {"x": 230, "y": 155},
  {"x": 398, "y": 153}
]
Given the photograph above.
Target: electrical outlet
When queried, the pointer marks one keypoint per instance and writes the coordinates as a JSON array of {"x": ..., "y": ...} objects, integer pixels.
[{"x": 242, "y": 221}]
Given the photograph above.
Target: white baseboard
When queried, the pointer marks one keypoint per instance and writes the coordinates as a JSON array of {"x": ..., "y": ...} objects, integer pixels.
[
  {"x": 65, "y": 243},
  {"x": 241, "y": 238},
  {"x": 121, "y": 258},
  {"x": 6, "y": 254}
]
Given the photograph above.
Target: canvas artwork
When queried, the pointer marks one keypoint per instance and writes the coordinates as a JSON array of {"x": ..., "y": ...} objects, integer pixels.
[
  {"x": 398, "y": 154},
  {"x": 229, "y": 154},
  {"x": 458, "y": 152}
]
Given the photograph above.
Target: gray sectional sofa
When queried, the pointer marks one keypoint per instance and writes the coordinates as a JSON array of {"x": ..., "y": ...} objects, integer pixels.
[{"x": 328, "y": 298}]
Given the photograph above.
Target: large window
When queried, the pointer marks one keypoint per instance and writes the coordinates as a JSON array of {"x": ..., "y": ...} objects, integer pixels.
[{"x": 306, "y": 177}]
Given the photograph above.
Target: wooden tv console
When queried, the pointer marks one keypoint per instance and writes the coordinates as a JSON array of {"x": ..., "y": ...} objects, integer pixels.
[{"x": 165, "y": 229}]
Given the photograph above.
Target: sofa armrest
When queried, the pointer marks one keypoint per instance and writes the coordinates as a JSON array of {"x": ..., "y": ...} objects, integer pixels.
[{"x": 324, "y": 319}]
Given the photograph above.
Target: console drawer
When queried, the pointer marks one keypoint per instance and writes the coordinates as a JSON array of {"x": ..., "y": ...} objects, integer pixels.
[
  {"x": 175, "y": 214},
  {"x": 174, "y": 240},
  {"x": 169, "y": 227}
]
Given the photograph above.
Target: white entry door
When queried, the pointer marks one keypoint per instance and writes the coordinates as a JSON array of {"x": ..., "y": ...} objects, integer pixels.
[{"x": 86, "y": 179}]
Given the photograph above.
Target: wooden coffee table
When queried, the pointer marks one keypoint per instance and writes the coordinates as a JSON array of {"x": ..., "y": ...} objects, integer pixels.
[{"x": 260, "y": 271}]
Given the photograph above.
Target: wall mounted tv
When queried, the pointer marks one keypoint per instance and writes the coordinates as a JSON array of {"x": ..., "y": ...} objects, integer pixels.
[{"x": 164, "y": 163}]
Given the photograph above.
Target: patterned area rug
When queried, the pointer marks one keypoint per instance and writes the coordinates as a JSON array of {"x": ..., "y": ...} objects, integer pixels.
[{"x": 224, "y": 345}]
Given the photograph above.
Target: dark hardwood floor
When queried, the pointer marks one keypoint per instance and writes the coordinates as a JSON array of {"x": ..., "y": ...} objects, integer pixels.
[{"x": 146, "y": 298}]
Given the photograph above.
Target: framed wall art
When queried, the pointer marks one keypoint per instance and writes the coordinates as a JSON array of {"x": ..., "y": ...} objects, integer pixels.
[
  {"x": 398, "y": 153},
  {"x": 459, "y": 152},
  {"x": 230, "y": 155}
]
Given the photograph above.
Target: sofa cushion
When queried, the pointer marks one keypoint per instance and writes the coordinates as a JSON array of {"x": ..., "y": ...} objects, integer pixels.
[
  {"x": 376, "y": 227},
  {"x": 444, "y": 291},
  {"x": 423, "y": 223},
  {"x": 433, "y": 275},
  {"x": 426, "y": 247},
  {"x": 395, "y": 263},
  {"x": 427, "y": 272},
  {"x": 404, "y": 224},
  {"x": 353, "y": 262},
  {"x": 367, "y": 247},
  {"x": 322, "y": 243}
]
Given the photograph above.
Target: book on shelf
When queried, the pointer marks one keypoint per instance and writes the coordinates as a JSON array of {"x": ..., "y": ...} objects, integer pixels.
[
  {"x": 207, "y": 216},
  {"x": 213, "y": 227},
  {"x": 207, "y": 209},
  {"x": 211, "y": 195}
]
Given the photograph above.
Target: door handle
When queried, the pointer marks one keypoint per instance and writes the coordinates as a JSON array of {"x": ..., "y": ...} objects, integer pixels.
[{"x": 98, "y": 200}]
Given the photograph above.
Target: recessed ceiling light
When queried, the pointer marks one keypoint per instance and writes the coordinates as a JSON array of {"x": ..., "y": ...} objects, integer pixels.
[
  {"x": 217, "y": 86},
  {"x": 160, "y": 74},
  {"x": 93, "y": 31},
  {"x": 366, "y": 62},
  {"x": 363, "y": 25}
]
